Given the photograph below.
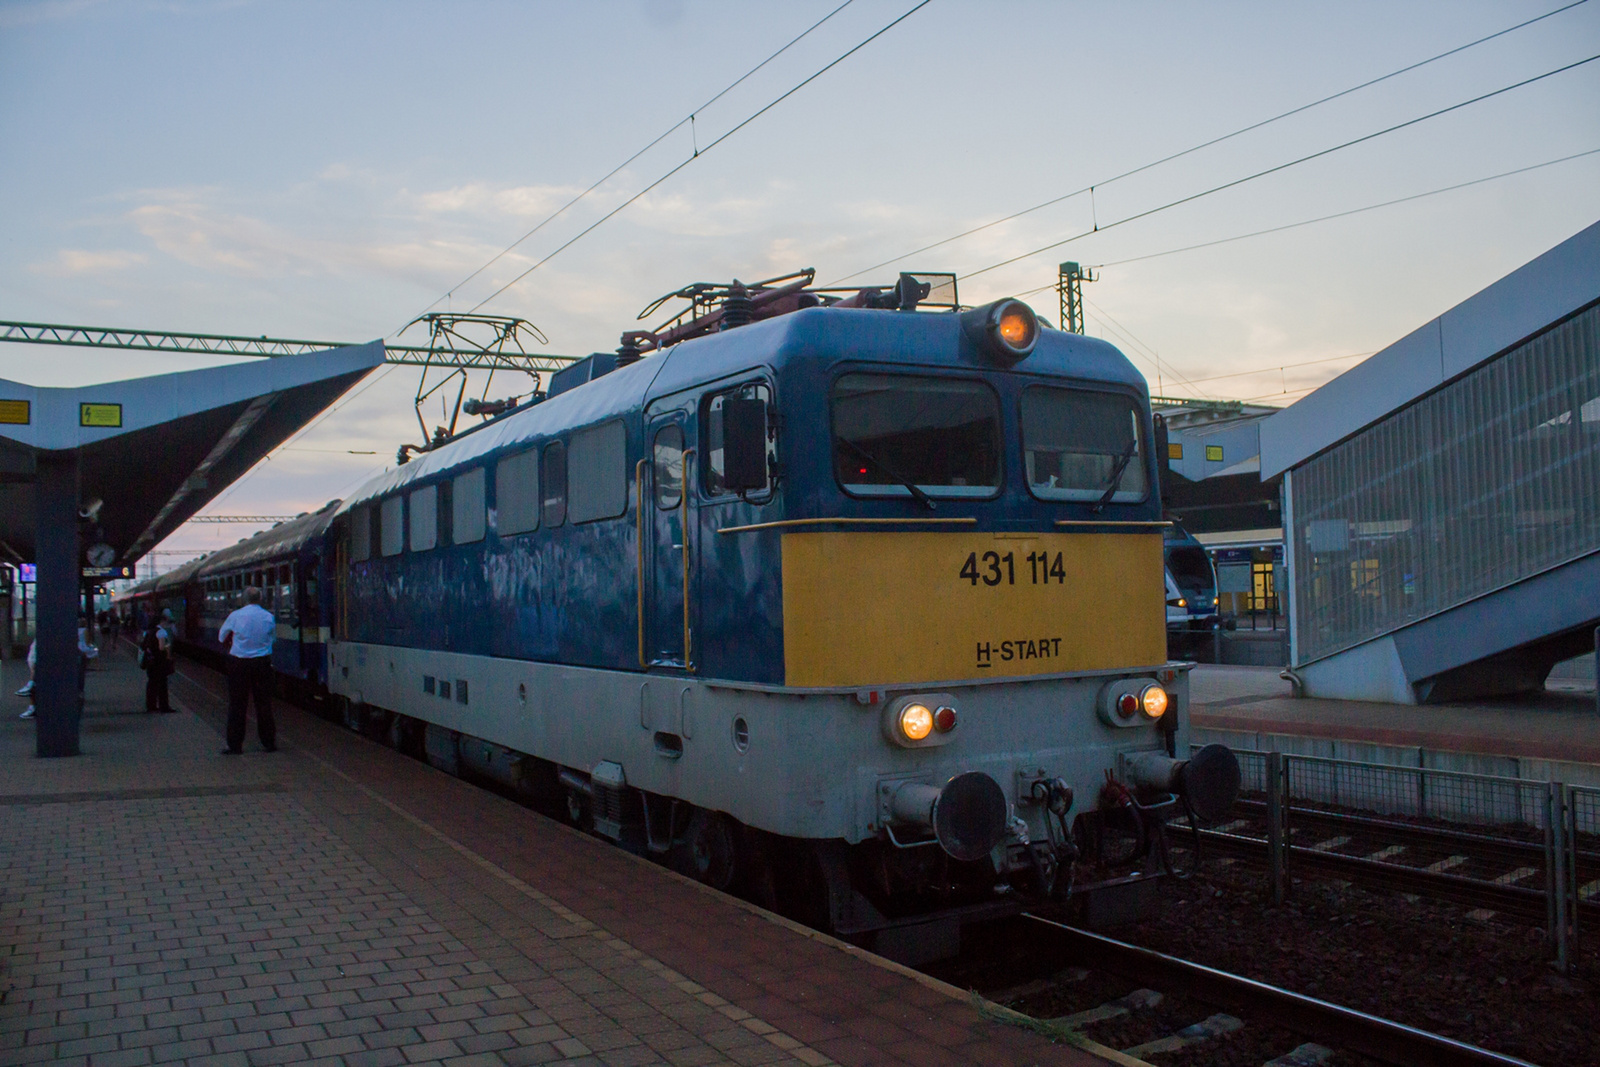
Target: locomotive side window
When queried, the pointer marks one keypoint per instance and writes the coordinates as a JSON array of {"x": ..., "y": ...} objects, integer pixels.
[
  {"x": 424, "y": 518},
  {"x": 901, "y": 435},
  {"x": 516, "y": 492},
  {"x": 1081, "y": 445},
  {"x": 392, "y": 539},
  {"x": 667, "y": 466},
  {"x": 553, "y": 508},
  {"x": 597, "y": 463},
  {"x": 466, "y": 510},
  {"x": 716, "y": 476},
  {"x": 445, "y": 509},
  {"x": 360, "y": 535}
]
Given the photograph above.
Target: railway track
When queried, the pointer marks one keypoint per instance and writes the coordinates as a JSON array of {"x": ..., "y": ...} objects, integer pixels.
[
  {"x": 1489, "y": 874},
  {"x": 1307, "y": 1030}
]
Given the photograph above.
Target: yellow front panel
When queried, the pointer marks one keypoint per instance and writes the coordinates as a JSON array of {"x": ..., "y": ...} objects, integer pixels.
[{"x": 899, "y": 608}]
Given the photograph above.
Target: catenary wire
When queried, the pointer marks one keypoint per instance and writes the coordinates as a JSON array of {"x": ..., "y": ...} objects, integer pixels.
[
  {"x": 1322, "y": 218},
  {"x": 1352, "y": 211},
  {"x": 689, "y": 118},
  {"x": 1214, "y": 141},
  {"x": 749, "y": 119},
  {"x": 1123, "y": 331},
  {"x": 1285, "y": 366},
  {"x": 1284, "y": 166},
  {"x": 701, "y": 152}
]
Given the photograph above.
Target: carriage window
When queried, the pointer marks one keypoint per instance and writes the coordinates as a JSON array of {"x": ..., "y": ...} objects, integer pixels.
[
  {"x": 516, "y": 493},
  {"x": 553, "y": 509},
  {"x": 392, "y": 541},
  {"x": 466, "y": 507},
  {"x": 1077, "y": 444},
  {"x": 360, "y": 536},
  {"x": 667, "y": 469},
  {"x": 716, "y": 467},
  {"x": 597, "y": 465},
  {"x": 892, "y": 431},
  {"x": 446, "y": 512},
  {"x": 424, "y": 518}
]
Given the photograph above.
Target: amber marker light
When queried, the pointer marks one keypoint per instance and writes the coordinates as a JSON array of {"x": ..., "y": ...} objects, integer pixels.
[
  {"x": 1154, "y": 701},
  {"x": 1016, "y": 326},
  {"x": 916, "y": 722}
]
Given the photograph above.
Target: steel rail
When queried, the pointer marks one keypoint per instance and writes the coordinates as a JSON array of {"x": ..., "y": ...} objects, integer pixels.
[
  {"x": 40, "y": 333},
  {"x": 1341, "y": 1028},
  {"x": 1378, "y": 874},
  {"x": 1403, "y": 832}
]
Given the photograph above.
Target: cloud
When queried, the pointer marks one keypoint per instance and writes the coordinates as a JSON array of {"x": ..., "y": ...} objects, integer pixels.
[
  {"x": 477, "y": 198},
  {"x": 193, "y": 231},
  {"x": 73, "y": 261}
]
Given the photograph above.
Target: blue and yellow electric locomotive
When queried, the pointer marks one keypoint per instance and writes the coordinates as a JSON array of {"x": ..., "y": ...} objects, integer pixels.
[{"x": 839, "y": 593}]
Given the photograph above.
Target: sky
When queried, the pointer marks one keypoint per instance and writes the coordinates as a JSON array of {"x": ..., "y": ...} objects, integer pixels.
[{"x": 332, "y": 170}]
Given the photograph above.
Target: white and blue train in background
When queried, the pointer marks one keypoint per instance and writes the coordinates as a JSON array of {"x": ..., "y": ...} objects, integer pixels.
[{"x": 851, "y": 603}]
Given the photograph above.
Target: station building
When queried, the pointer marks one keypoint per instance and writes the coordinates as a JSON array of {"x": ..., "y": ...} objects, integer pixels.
[{"x": 1441, "y": 499}]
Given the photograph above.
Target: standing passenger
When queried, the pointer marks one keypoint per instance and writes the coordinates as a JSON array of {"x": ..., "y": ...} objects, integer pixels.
[
  {"x": 155, "y": 656},
  {"x": 247, "y": 635}
]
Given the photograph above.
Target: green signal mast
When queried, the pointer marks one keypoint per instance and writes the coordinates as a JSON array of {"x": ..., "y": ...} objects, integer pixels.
[{"x": 1070, "y": 286}]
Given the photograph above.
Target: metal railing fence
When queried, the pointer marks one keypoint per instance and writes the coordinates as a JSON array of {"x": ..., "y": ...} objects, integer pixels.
[{"x": 1553, "y": 827}]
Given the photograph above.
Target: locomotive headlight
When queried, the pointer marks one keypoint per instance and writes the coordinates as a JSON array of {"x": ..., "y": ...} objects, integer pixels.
[
  {"x": 1004, "y": 331},
  {"x": 1017, "y": 326},
  {"x": 916, "y": 721},
  {"x": 1153, "y": 700}
]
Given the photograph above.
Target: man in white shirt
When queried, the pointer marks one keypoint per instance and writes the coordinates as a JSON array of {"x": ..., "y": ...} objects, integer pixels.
[{"x": 247, "y": 635}]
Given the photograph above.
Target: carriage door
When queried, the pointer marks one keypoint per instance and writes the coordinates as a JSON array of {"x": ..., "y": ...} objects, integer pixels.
[{"x": 668, "y": 524}]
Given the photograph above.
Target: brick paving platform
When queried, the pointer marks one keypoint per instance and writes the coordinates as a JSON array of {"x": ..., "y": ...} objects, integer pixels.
[
  {"x": 337, "y": 903},
  {"x": 1561, "y": 723}
]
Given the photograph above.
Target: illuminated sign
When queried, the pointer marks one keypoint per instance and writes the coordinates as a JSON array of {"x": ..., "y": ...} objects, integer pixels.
[
  {"x": 1174, "y": 450},
  {"x": 15, "y": 412},
  {"x": 100, "y": 415},
  {"x": 28, "y": 572},
  {"x": 1214, "y": 453}
]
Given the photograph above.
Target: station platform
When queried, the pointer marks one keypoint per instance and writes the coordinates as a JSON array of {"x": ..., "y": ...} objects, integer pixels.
[
  {"x": 1559, "y": 727},
  {"x": 335, "y": 902}
]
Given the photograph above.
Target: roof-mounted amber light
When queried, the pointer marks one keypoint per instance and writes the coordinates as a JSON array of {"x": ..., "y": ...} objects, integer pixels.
[{"x": 1005, "y": 330}]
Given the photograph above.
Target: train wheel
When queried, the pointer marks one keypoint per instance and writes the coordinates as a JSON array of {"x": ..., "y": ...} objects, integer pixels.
[{"x": 708, "y": 852}]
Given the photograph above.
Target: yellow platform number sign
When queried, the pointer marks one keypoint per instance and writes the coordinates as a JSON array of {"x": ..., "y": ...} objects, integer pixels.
[{"x": 100, "y": 415}]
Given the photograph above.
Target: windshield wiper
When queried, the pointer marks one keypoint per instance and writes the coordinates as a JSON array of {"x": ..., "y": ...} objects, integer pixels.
[
  {"x": 916, "y": 491},
  {"x": 1116, "y": 475}
]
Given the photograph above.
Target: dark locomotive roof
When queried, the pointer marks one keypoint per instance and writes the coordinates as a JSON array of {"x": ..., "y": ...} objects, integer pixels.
[
  {"x": 910, "y": 338},
  {"x": 284, "y": 538}
]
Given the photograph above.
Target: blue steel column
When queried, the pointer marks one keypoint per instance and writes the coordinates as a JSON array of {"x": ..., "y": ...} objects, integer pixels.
[{"x": 55, "y": 695}]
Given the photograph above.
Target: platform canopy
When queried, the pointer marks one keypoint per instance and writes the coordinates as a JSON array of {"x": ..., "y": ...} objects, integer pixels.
[{"x": 156, "y": 450}]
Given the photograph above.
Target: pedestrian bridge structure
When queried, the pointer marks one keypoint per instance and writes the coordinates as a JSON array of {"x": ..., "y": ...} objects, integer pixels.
[{"x": 1442, "y": 498}]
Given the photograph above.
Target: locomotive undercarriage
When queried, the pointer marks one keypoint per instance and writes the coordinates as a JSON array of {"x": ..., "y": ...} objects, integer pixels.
[{"x": 900, "y": 894}]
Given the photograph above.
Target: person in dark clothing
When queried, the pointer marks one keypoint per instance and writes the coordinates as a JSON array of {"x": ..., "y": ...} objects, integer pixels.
[{"x": 156, "y": 659}]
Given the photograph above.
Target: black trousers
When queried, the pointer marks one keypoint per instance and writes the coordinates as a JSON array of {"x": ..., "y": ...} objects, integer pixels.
[
  {"x": 155, "y": 685},
  {"x": 247, "y": 677}
]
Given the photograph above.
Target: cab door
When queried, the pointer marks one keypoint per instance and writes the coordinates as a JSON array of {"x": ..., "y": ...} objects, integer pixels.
[{"x": 667, "y": 500}]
